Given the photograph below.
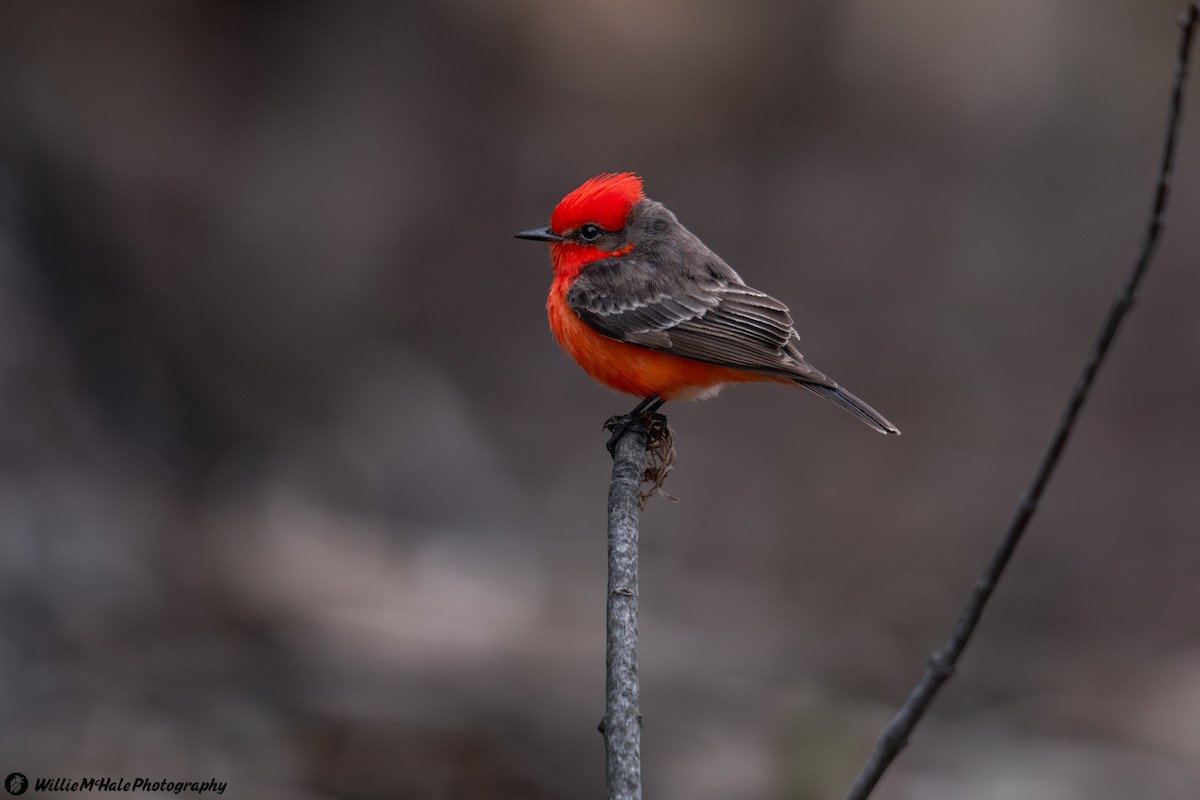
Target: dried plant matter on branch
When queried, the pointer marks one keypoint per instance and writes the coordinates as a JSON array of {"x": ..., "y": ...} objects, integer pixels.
[{"x": 660, "y": 453}]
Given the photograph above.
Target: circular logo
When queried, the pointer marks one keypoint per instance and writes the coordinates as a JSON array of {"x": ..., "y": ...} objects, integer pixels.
[{"x": 16, "y": 783}]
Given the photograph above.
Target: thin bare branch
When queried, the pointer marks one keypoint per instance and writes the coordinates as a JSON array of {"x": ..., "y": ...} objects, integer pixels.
[
  {"x": 942, "y": 662},
  {"x": 622, "y": 723}
]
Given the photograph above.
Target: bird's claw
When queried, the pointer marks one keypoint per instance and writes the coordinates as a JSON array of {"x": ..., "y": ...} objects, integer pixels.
[
  {"x": 619, "y": 423},
  {"x": 650, "y": 424}
]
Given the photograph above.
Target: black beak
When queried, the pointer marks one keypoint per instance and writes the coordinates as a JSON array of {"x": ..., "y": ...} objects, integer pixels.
[{"x": 539, "y": 235}]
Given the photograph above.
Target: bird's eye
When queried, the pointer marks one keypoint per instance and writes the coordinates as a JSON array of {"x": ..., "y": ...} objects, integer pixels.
[{"x": 589, "y": 232}]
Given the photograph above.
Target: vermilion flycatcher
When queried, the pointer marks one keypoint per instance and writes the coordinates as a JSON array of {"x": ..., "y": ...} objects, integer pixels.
[{"x": 645, "y": 308}]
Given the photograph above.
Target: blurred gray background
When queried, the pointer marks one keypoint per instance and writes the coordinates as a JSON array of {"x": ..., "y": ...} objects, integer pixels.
[{"x": 297, "y": 492}]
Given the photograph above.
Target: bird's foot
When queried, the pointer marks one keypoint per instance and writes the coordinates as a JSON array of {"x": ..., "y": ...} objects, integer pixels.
[
  {"x": 641, "y": 419},
  {"x": 618, "y": 424}
]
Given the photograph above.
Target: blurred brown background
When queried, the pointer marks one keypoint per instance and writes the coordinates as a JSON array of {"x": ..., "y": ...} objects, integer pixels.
[{"x": 297, "y": 492}]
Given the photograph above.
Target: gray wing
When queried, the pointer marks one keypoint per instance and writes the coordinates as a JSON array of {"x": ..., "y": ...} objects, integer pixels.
[{"x": 695, "y": 308}]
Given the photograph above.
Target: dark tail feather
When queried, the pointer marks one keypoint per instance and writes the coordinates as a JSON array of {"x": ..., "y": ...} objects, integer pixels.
[{"x": 839, "y": 396}]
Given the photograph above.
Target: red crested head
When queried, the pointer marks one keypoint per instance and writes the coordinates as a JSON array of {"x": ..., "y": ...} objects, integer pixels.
[{"x": 605, "y": 200}]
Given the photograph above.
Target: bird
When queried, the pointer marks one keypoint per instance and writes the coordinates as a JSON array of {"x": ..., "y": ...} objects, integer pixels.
[{"x": 645, "y": 308}]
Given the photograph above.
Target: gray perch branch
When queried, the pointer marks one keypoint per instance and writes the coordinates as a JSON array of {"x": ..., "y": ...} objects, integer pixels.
[
  {"x": 943, "y": 662},
  {"x": 622, "y": 723}
]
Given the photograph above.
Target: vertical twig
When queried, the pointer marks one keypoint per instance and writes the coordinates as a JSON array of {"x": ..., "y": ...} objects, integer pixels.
[
  {"x": 622, "y": 723},
  {"x": 942, "y": 663}
]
